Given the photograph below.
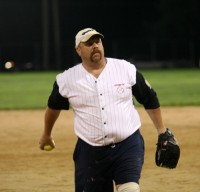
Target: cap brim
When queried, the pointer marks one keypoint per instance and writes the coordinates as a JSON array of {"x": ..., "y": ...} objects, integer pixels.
[{"x": 87, "y": 37}]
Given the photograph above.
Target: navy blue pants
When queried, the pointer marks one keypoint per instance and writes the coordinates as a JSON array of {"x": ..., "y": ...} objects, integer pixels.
[{"x": 97, "y": 167}]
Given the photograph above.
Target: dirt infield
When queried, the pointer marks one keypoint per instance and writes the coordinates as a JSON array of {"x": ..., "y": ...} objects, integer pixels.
[{"x": 25, "y": 168}]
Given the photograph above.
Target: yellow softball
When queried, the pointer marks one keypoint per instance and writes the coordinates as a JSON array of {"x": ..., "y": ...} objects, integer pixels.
[{"x": 48, "y": 147}]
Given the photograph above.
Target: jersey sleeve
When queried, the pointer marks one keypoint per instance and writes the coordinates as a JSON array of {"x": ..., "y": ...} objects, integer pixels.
[
  {"x": 144, "y": 94},
  {"x": 56, "y": 100}
]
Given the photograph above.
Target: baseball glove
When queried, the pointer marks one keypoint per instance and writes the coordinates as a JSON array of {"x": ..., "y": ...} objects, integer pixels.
[{"x": 167, "y": 151}]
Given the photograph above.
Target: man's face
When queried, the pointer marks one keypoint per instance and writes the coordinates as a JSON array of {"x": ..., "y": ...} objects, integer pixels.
[{"x": 91, "y": 50}]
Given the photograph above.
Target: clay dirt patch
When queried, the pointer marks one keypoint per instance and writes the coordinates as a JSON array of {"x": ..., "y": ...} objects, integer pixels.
[{"x": 24, "y": 167}]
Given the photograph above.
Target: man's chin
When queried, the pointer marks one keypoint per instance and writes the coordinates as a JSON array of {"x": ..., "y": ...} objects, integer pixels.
[{"x": 96, "y": 58}]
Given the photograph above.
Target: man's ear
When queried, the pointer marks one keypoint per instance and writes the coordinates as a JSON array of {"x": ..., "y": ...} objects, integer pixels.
[{"x": 78, "y": 50}]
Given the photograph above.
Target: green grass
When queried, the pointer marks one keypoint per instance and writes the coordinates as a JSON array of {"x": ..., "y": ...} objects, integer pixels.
[
  {"x": 25, "y": 90},
  {"x": 175, "y": 87},
  {"x": 31, "y": 90}
]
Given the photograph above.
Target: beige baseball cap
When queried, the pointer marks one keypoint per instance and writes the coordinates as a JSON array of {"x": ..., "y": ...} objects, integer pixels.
[{"x": 85, "y": 34}]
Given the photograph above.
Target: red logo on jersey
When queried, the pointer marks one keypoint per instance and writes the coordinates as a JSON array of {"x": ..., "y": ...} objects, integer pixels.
[{"x": 120, "y": 87}]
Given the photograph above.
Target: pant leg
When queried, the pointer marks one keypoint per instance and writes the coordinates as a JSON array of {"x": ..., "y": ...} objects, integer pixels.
[
  {"x": 129, "y": 159},
  {"x": 92, "y": 169}
]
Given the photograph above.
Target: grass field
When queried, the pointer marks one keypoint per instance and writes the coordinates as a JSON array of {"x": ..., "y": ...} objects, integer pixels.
[
  {"x": 176, "y": 87},
  {"x": 31, "y": 90},
  {"x": 25, "y": 90}
]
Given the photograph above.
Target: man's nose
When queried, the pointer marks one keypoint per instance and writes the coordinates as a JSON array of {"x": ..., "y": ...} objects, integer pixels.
[{"x": 95, "y": 44}]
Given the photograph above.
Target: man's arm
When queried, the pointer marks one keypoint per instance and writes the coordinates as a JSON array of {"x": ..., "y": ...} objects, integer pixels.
[
  {"x": 50, "y": 118},
  {"x": 156, "y": 117},
  {"x": 56, "y": 103},
  {"x": 167, "y": 150},
  {"x": 145, "y": 95}
]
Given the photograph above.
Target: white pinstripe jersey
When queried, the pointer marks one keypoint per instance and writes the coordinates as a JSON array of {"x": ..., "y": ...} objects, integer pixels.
[{"x": 103, "y": 107}]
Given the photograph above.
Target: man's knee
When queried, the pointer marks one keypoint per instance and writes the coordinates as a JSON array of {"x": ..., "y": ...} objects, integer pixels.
[{"x": 129, "y": 187}]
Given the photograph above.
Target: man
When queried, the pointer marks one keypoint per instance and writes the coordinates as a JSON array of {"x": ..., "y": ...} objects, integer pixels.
[{"x": 100, "y": 90}]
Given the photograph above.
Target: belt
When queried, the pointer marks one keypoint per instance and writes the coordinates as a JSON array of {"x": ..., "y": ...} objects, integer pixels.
[{"x": 113, "y": 145}]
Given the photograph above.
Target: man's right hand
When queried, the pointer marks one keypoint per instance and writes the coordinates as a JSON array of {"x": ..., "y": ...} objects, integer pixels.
[{"x": 46, "y": 140}]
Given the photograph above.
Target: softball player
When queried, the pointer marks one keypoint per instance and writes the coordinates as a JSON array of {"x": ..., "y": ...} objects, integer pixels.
[{"x": 100, "y": 91}]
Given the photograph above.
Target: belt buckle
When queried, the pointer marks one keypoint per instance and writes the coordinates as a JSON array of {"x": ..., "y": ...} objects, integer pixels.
[{"x": 113, "y": 145}]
